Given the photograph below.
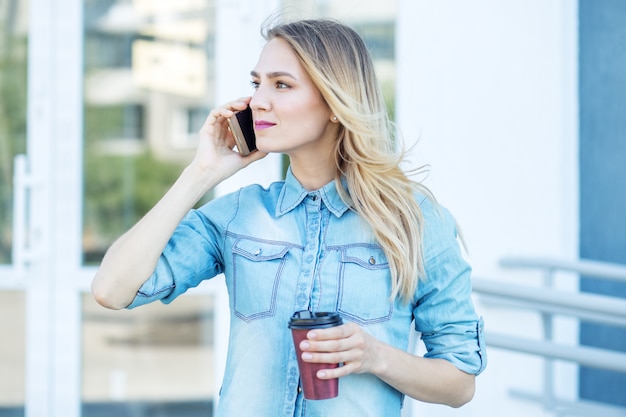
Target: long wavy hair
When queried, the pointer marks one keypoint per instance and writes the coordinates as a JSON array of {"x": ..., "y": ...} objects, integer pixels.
[{"x": 340, "y": 65}]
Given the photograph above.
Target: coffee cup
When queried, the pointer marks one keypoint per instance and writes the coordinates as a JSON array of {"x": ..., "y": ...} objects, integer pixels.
[{"x": 300, "y": 324}]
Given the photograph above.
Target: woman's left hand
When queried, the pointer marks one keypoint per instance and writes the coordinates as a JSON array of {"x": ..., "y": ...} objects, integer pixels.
[
  {"x": 425, "y": 379},
  {"x": 348, "y": 344}
]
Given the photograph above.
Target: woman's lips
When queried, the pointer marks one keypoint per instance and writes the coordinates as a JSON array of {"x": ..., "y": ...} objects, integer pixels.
[{"x": 262, "y": 124}]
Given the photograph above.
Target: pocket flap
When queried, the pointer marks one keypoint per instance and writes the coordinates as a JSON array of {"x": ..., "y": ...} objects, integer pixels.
[
  {"x": 256, "y": 250},
  {"x": 367, "y": 256}
]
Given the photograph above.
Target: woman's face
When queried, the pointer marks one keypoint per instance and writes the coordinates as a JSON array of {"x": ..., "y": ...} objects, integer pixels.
[{"x": 289, "y": 113}]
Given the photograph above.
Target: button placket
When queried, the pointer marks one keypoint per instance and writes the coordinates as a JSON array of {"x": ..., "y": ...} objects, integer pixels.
[{"x": 311, "y": 250}]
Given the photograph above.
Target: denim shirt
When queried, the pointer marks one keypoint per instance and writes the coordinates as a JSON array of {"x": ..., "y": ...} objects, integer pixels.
[{"x": 285, "y": 249}]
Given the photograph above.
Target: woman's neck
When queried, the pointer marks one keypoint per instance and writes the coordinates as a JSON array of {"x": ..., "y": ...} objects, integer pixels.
[{"x": 313, "y": 174}]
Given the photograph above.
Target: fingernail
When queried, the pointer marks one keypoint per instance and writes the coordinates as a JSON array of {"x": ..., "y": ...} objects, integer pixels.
[
  {"x": 306, "y": 355},
  {"x": 321, "y": 374},
  {"x": 304, "y": 345}
]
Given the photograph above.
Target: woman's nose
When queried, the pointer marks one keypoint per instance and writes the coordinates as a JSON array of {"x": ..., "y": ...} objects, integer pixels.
[{"x": 259, "y": 100}]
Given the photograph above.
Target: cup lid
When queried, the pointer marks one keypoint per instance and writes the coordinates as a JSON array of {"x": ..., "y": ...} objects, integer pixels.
[{"x": 309, "y": 319}]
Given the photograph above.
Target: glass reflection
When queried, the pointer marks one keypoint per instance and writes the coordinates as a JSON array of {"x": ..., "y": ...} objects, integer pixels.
[
  {"x": 148, "y": 78},
  {"x": 153, "y": 361},
  {"x": 12, "y": 353},
  {"x": 13, "y": 75}
]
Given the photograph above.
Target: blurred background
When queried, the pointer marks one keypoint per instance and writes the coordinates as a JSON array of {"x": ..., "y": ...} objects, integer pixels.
[{"x": 517, "y": 107}]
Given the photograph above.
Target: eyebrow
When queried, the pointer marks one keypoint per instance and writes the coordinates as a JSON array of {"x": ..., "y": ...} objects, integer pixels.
[{"x": 274, "y": 74}]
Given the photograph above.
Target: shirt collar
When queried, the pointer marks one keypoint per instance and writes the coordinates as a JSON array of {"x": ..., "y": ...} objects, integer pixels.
[{"x": 293, "y": 193}]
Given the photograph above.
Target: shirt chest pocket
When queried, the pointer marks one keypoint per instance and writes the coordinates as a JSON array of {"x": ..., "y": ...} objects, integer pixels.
[
  {"x": 365, "y": 285},
  {"x": 257, "y": 271}
]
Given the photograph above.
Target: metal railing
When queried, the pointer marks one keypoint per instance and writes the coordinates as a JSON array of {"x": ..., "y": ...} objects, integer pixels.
[{"x": 550, "y": 302}]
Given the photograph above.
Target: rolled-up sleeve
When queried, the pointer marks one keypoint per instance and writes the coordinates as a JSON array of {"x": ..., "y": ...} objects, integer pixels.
[
  {"x": 191, "y": 256},
  {"x": 444, "y": 312}
]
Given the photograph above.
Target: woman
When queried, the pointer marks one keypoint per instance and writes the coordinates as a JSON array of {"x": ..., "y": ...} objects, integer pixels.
[{"x": 346, "y": 231}]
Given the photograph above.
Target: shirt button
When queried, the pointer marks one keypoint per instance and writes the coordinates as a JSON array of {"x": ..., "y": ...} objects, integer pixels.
[
  {"x": 299, "y": 389},
  {"x": 372, "y": 260},
  {"x": 257, "y": 252}
]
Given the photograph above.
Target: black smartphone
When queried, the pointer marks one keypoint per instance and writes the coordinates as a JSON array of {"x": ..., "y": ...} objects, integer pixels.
[{"x": 242, "y": 128}]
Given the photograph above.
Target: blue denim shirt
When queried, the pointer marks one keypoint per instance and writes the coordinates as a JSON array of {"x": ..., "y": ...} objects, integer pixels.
[{"x": 284, "y": 249}]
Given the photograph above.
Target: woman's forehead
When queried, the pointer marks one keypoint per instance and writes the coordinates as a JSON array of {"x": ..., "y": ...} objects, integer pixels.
[{"x": 276, "y": 57}]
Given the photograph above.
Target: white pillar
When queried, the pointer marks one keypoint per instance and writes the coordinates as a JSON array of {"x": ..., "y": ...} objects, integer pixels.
[{"x": 54, "y": 163}]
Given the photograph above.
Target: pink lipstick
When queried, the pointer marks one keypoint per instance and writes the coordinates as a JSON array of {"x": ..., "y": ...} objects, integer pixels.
[{"x": 262, "y": 124}]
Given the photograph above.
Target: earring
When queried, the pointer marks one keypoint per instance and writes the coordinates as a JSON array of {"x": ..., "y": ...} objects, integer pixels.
[{"x": 334, "y": 118}]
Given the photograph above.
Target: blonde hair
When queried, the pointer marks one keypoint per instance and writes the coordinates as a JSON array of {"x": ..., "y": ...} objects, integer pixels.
[{"x": 340, "y": 65}]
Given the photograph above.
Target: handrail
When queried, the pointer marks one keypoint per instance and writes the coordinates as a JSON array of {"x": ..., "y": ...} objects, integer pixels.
[
  {"x": 20, "y": 184},
  {"x": 549, "y": 302},
  {"x": 584, "y": 355},
  {"x": 598, "y": 308},
  {"x": 587, "y": 268}
]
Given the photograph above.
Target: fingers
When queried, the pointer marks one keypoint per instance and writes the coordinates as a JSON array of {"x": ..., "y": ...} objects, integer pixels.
[
  {"x": 254, "y": 156},
  {"x": 225, "y": 111},
  {"x": 345, "y": 344},
  {"x": 334, "y": 333},
  {"x": 351, "y": 360},
  {"x": 215, "y": 152},
  {"x": 346, "y": 369}
]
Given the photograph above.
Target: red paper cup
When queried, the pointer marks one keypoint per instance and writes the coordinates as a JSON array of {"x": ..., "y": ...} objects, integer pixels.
[{"x": 300, "y": 324}]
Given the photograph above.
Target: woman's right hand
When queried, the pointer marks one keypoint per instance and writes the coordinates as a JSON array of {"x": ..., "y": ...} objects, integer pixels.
[{"x": 215, "y": 155}]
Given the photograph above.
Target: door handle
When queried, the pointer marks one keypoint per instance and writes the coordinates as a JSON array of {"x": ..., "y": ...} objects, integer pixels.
[{"x": 22, "y": 250}]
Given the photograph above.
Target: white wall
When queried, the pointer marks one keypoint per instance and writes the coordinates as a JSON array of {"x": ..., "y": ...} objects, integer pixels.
[{"x": 490, "y": 89}]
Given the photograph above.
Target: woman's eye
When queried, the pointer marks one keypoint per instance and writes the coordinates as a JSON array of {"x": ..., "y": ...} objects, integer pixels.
[
  {"x": 254, "y": 84},
  {"x": 280, "y": 84}
]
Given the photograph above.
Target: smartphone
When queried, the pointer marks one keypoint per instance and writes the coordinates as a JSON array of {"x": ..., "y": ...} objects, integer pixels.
[{"x": 242, "y": 128}]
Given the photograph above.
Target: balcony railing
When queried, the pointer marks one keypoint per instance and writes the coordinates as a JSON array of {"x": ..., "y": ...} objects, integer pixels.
[{"x": 550, "y": 302}]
